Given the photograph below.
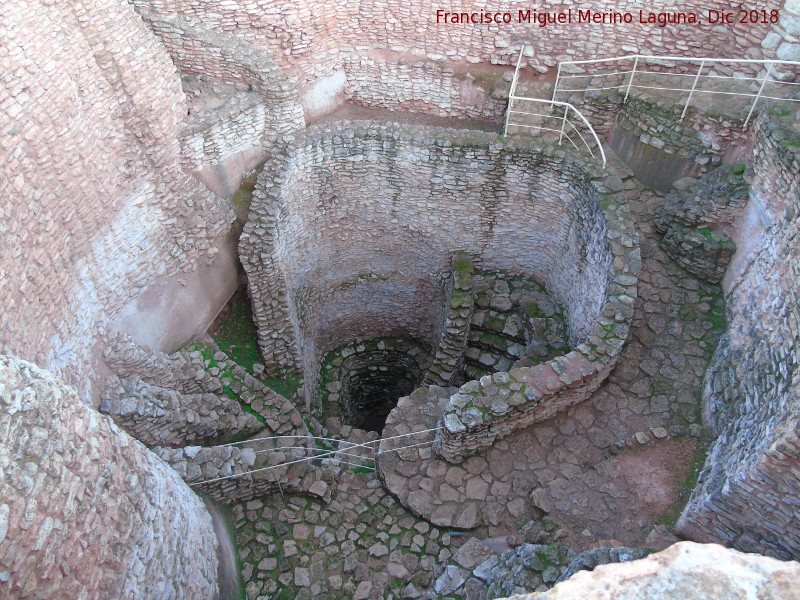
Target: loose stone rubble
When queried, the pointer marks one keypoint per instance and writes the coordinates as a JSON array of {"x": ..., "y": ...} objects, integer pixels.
[{"x": 697, "y": 219}]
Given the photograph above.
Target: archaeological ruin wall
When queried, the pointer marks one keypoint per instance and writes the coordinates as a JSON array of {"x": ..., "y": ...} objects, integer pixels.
[
  {"x": 395, "y": 55},
  {"x": 232, "y": 131},
  {"x": 95, "y": 203},
  {"x": 352, "y": 234},
  {"x": 747, "y": 494},
  {"x": 81, "y": 501}
]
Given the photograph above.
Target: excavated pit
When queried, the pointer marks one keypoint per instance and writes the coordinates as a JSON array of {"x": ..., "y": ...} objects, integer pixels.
[{"x": 352, "y": 237}]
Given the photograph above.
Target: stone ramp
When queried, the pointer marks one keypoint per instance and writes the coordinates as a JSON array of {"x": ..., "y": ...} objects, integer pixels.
[
  {"x": 192, "y": 377},
  {"x": 476, "y": 492},
  {"x": 159, "y": 416}
]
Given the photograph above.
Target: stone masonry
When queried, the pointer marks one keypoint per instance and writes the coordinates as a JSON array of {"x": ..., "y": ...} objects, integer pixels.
[
  {"x": 696, "y": 221},
  {"x": 80, "y": 500},
  {"x": 746, "y": 494},
  {"x": 420, "y": 203},
  {"x": 496, "y": 405},
  {"x": 395, "y": 55},
  {"x": 158, "y": 416},
  {"x": 449, "y": 355},
  {"x": 124, "y": 125},
  {"x": 95, "y": 203}
]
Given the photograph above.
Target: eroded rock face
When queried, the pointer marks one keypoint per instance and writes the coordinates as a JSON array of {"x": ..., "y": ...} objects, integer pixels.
[{"x": 685, "y": 570}]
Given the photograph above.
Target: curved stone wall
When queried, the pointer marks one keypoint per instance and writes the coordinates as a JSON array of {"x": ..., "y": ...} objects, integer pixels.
[
  {"x": 80, "y": 502},
  {"x": 95, "y": 206},
  {"x": 372, "y": 40},
  {"x": 494, "y": 406},
  {"x": 358, "y": 222},
  {"x": 747, "y": 493}
]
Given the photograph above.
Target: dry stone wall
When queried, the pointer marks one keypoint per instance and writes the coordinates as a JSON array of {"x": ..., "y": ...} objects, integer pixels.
[
  {"x": 349, "y": 375},
  {"x": 448, "y": 359},
  {"x": 158, "y": 416},
  {"x": 695, "y": 221},
  {"x": 496, "y": 405},
  {"x": 210, "y": 137},
  {"x": 219, "y": 142},
  {"x": 94, "y": 202},
  {"x": 197, "y": 49},
  {"x": 80, "y": 501},
  {"x": 648, "y": 134},
  {"x": 747, "y": 493},
  {"x": 316, "y": 39},
  {"x": 419, "y": 85},
  {"x": 195, "y": 377},
  {"x": 231, "y": 473},
  {"x": 351, "y": 233},
  {"x": 179, "y": 371}
]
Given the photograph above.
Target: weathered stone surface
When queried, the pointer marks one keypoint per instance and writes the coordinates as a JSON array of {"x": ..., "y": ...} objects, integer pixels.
[
  {"x": 748, "y": 488},
  {"x": 684, "y": 570},
  {"x": 696, "y": 222},
  {"x": 54, "y": 450},
  {"x": 85, "y": 234}
]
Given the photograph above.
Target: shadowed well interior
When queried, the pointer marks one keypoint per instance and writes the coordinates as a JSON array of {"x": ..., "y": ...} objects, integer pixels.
[{"x": 372, "y": 383}]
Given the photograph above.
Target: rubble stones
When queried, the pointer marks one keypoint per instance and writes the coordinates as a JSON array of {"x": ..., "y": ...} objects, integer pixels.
[{"x": 696, "y": 222}]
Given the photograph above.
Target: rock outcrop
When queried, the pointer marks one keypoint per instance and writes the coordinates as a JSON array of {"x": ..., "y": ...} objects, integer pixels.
[{"x": 686, "y": 570}]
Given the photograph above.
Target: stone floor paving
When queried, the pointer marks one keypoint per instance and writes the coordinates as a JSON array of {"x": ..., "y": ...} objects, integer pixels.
[
  {"x": 605, "y": 471},
  {"x": 363, "y": 544}
]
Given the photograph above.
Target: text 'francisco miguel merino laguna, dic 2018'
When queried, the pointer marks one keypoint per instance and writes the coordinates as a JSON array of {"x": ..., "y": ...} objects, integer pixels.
[{"x": 609, "y": 17}]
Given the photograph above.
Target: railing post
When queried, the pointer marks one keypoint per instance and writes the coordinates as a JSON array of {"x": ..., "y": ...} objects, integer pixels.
[
  {"x": 516, "y": 71},
  {"x": 694, "y": 85},
  {"x": 563, "y": 124},
  {"x": 508, "y": 114},
  {"x": 758, "y": 96},
  {"x": 513, "y": 90},
  {"x": 555, "y": 89},
  {"x": 630, "y": 81}
]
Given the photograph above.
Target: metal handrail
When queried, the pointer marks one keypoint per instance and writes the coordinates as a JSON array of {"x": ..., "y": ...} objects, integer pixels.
[
  {"x": 564, "y": 121},
  {"x": 704, "y": 63},
  {"x": 512, "y": 97}
]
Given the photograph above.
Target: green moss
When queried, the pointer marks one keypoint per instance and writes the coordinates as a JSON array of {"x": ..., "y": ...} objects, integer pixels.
[
  {"x": 362, "y": 469},
  {"x": 243, "y": 196},
  {"x": 686, "y": 481},
  {"x": 549, "y": 525},
  {"x": 462, "y": 264},
  {"x": 494, "y": 323},
  {"x": 532, "y": 310},
  {"x": 286, "y": 385},
  {"x": 488, "y": 78},
  {"x": 662, "y": 386},
  {"x": 236, "y": 335}
]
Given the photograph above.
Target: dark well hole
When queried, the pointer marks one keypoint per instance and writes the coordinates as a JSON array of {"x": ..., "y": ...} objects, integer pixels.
[{"x": 372, "y": 383}]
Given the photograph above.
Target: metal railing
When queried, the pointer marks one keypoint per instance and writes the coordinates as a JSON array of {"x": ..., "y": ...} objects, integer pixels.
[
  {"x": 531, "y": 115},
  {"x": 346, "y": 454},
  {"x": 740, "y": 83}
]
